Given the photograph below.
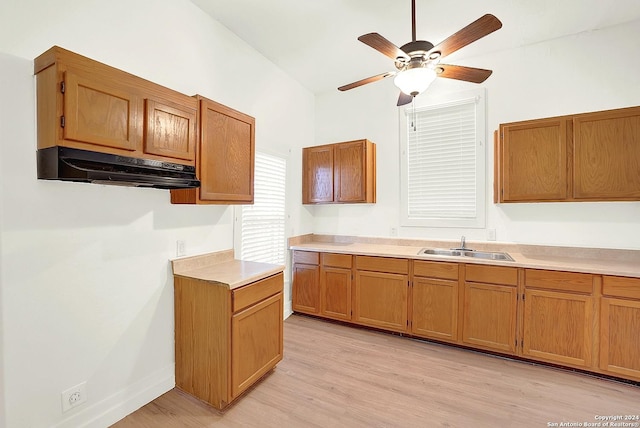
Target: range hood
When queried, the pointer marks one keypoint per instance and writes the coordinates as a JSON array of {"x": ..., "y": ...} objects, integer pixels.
[{"x": 67, "y": 164}]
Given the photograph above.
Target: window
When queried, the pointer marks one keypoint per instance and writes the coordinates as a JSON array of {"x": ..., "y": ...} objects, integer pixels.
[
  {"x": 443, "y": 162},
  {"x": 262, "y": 225}
]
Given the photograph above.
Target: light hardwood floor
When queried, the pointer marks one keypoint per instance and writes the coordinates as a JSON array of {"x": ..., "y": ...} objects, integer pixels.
[{"x": 338, "y": 376}]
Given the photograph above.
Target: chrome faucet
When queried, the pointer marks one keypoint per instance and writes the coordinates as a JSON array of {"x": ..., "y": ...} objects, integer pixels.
[{"x": 463, "y": 245}]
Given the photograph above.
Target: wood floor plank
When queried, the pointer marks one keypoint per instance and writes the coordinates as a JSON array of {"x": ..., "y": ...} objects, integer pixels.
[{"x": 339, "y": 376}]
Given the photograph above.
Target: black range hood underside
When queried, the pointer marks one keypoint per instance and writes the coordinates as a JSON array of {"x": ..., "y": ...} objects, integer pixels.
[{"x": 67, "y": 164}]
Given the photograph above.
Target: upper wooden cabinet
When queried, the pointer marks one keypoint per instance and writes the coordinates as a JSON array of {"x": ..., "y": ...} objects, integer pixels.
[
  {"x": 534, "y": 160},
  {"x": 583, "y": 157},
  {"x": 226, "y": 157},
  {"x": 339, "y": 173},
  {"x": 84, "y": 104}
]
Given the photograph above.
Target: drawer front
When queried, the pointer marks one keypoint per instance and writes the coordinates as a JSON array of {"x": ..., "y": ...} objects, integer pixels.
[
  {"x": 564, "y": 281},
  {"x": 336, "y": 260},
  {"x": 256, "y": 291},
  {"x": 618, "y": 286},
  {"x": 491, "y": 274},
  {"x": 382, "y": 264},
  {"x": 442, "y": 270},
  {"x": 308, "y": 257}
]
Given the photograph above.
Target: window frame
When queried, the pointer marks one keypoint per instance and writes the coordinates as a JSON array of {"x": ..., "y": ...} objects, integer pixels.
[
  {"x": 446, "y": 100},
  {"x": 238, "y": 215}
]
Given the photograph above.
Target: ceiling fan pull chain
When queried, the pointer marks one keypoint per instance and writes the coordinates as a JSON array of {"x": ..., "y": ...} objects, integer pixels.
[{"x": 413, "y": 114}]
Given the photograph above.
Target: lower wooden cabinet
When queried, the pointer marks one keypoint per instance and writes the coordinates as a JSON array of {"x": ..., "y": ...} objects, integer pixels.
[
  {"x": 226, "y": 340},
  {"x": 381, "y": 293},
  {"x": 489, "y": 311},
  {"x": 580, "y": 320},
  {"x": 306, "y": 282},
  {"x": 620, "y": 327},
  {"x": 558, "y": 318},
  {"x": 434, "y": 300},
  {"x": 335, "y": 286}
]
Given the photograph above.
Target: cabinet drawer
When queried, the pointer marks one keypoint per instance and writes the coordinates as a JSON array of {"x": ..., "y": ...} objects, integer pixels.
[
  {"x": 565, "y": 281},
  {"x": 382, "y": 264},
  {"x": 256, "y": 291},
  {"x": 491, "y": 274},
  {"x": 307, "y": 257},
  {"x": 621, "y": 287},
  {"x": 336, "y": 260},
  {"x": 442, "y": 270}
]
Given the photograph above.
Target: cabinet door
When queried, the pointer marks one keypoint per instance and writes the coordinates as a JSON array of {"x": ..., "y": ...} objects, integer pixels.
[
  {"x": 317, "y": 175},
  {"x": 489, "y": 316},
  {"x": 534, "y": 161},
  {"x": 306, "y": 288},
  {"x": 227, "y": 154},
  {"x": 350, "y": 172},
  {"x": 171, "y": 129},
  {"x": 620, "y": 331},
  {"x": 256, "y": 342},
  {"x": 607, "y": 155},
  {"x": 335, "y": 285},
  {"x": 381, "y": 300},
  {"x": 558, "y": 327},
  {"x": 101, "y": 111},
  {"x": 435, "y": 308}
]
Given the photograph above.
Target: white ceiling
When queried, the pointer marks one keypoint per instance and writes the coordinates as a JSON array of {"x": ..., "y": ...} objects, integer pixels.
[{"x": 315, "y": 41}]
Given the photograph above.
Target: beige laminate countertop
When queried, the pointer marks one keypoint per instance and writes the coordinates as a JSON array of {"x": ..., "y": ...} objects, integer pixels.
[
  {"x": 585, "y": 260},
  {"x": 221, "y": 268}
]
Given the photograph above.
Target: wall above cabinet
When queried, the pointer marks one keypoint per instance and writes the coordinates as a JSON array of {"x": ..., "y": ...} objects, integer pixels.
[
  {"x": 339, "y": 173},
  {"x": 582, "y": 157}
]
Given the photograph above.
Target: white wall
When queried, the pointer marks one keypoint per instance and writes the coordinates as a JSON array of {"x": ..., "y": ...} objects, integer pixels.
[
  {"x": 591, "y": 71},
  {"x": 85, "y": 286}
]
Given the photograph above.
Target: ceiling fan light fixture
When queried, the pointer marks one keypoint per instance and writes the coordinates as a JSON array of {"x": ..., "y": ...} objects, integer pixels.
[{"x": 413, "y": 81}]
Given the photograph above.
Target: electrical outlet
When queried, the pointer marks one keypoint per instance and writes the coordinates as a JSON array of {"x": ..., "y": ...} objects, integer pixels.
[
  {"x": 180, "y": 248},
  {"x": 394, "y": 231},
  {"x": 75, "y": 396},
  {"x": 491, "y": 234}
]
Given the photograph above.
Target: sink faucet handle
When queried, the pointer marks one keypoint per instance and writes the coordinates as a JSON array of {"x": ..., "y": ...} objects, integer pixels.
[{"x": 463, "y": 242}]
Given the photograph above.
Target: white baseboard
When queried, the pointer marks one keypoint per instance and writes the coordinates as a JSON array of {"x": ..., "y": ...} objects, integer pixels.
[
  {"x": 115, "y": 407},
  {"x": 288, "y": 309}
]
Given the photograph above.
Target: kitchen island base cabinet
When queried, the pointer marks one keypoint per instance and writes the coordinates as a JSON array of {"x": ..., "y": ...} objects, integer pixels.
[
  {"x": 226, "y": 340},
  {"x": 620, "y": 327}
]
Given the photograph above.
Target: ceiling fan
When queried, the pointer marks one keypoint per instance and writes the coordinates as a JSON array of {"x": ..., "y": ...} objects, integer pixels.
[{"x": 418, "y": 62}]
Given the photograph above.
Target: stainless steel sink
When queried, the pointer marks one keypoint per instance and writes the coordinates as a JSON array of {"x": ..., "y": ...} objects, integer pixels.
[
  {"x": 486, "y": 255},
  {"x": 440, "y": 252}
]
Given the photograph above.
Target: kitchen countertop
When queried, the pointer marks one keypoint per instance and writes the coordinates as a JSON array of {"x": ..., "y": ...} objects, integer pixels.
[
  {"x": 571, "y": 259},
  {"x": 221, "y": 268}
]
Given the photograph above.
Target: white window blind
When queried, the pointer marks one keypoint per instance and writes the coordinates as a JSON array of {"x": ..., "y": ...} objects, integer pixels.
[
  {"x": 444, "y": 164},
  {"x": 263, "y": 223}
]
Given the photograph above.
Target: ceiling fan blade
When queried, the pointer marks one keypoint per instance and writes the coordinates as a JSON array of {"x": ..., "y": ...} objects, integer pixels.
[
  {"x": 459, "y": 72},
  {"x": 469, "y": 34},
  {"x": 367, "y": 80},
  {"x": 383, "y": 45},
  {"x": 404, "y": 99}
]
